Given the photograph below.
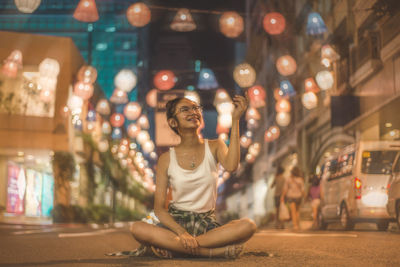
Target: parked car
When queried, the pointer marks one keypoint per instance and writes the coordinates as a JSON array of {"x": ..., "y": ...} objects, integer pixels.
[
  {"x": 393, "y": 205},
  {"x": 354, "y": 184}
]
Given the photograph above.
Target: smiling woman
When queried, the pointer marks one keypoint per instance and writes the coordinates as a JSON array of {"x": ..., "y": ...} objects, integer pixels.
[{"x": 189, "y": 224}]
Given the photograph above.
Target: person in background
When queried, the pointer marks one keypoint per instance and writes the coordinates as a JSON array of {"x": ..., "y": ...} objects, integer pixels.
[
  {"x": 314, "y": 194},
  {"x": 278, "y": 183},
  {"x": 293, "y": 192}
]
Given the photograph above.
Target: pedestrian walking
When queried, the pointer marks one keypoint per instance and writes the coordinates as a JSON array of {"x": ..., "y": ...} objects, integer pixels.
[
  {"x": 314, "y": 194},
  {"x": 188, "y": 226},
  {"x": 293, "y": 193},
  {"x": 278, "y": 183}
]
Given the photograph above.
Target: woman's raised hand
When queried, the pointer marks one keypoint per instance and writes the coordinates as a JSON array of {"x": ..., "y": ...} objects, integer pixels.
[
  {"x": 189, "y": 243},
  {"x": 240, "y": 105}
]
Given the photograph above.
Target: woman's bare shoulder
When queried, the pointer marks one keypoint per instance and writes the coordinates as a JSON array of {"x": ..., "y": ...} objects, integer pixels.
[{"x": 163, "y": 160}]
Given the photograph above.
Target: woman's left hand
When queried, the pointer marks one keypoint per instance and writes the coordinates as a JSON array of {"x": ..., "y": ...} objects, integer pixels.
[{"x": 240, "y": 105}]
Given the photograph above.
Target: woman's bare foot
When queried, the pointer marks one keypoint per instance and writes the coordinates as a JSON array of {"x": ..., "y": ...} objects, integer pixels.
[{"x": 228, "y": 252}]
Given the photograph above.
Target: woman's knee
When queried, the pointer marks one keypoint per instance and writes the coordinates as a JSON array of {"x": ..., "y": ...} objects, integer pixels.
[
  {"x": 248, "y": 226},
  {"x": 139, "y": 231}
]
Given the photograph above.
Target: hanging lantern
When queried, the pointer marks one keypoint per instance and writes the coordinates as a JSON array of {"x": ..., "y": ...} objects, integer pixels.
[
  {"x": 225, "y": 120},
  {"x": 77, "y": 125},
  {"x": 225, "y": 108},
  {"x": 282, "y": 105},
  {"x": 245, "y": 141},
  {"x": 309, "y": 100},
  {"x": 148, "y": 146},
  {"x": 274, "y": 131},
  {"x": 106, "y": 127},
  {"x": 46, "y": 95},
  {"x": 249, "y": 158},
  {"x": 231, "y": 24},
  {"x": 310, "y": 85},
  {"x": 254, "y": 149},
  {"x": 117, "y": 120},
  {"x": 257, "y": 96},
  {"x": 287, "y": 88},
  {"x": 151, "y": 98},
  {"x": 91, "y": 115},
  {"x": 223, "y": 136},
  {"x": 125, "y": 80},
  {"x": 132, "y": 110},
  {"x": 274, "y": 23},
  {"x": 164, "y": 80},
  {"x": 119, "y": 97},
  {"x": 86, "y": 11},
  {"x": 221, "y": 96},
  {"x": 16, "y": 57},
  {"x": 220, "y": 129},
  {"x": 47, "y": 83},
  {"x": 282, "y": 118},
  {"x": 252, "y": 124},
  {"x": 102, "y": 107},
  {"x": 278, "y": 93},
  {"x": 183, "y": 21},
  {"x": 75, "y": 104},
  {"x": 207, "y": 79},
  {"x": 27, "y": 6},
  {"x": 142, "y": 137},
  {"x": 327, "y": 52},
  {"x": 144, "y": 122},
  {"x": 133, "y": 130},
  {"x": 268, "y": 136},
  {"x": 325, "y": 79},
  {"x": 252, "y": 113},
  {"x": 193, "y": 96},
  {"x": 49, "y": 68},
  {"x": 83, "y": 90},
  {"x": 244, "y": 75},
  {"x": 138, "y": 14},
  {"x": 10, "y": 69},
  {"x": 286, "y": 65},
  {"x": 315, "y": 24},
  {"x": 87, "y": 74},
  {"x": 103, "y": 145},
  {"x": 116, "y": 133}
]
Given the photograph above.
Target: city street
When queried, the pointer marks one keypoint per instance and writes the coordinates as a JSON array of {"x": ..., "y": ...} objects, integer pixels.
[{"x": 77, "y": 245}]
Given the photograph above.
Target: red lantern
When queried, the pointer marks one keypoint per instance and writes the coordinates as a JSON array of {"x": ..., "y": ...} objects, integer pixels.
[
  {"x": 286, "y": 65},
  {"x": 274, "y": 23},
  {"x": 151, "y": 98},
  {"x": 257, "y": 96},
  {"x": 282, "y": 105},
  {"x": 10, "y": 69},
  {"x": 268, "y": 136},
  {"x": 164, "y": 80},
  {"x": 83, "y": 90},
  {"x": 231, "y": 24},
  {"x": 133, "y": 130},
  {"x": 132, "y": 110},
  {"x": 310, "y": 85},
  {"x": 220, "y": 129},
  {"x": 87, "y": 74},
  {"x": 86, "y": 11},
  {"x": 138, "y": 14},
  {"x": 278, "y": 94},
  {"x": 117, "y": 120}
]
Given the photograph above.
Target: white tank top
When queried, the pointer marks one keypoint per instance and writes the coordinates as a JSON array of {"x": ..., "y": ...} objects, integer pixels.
[{"x": 194, "y": 190}]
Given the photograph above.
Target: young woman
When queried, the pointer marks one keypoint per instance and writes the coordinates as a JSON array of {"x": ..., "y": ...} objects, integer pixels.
[
  {"x": 189, "y": 226},
  {"x": 278, "y": 183},
  {"x": 293, "y": 192}
]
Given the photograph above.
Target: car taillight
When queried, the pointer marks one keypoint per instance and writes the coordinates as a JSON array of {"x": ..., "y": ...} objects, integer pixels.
[{"x": 357, "y": 186}]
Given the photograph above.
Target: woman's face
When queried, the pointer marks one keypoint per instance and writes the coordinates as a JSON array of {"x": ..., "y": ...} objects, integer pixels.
[{"x": 188, "y": 114}]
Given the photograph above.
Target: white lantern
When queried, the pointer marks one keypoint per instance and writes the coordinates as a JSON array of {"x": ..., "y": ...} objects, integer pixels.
[
  {"x": 103, "y": 145},
  {"x": 252, "y": 113},
  {"x": 142, "y": 137},
  {"x": 103, "y": 107},
  {"x": 49, "y": 68},
  {"x": 309, "y": 100},
  {"x": 225, "y": 107},
  {"x": 193, "y": 96},
  {"x": 27, "y": 6},
  {"x": 106, "y": 127},
  {"x": 143, "y": 122},
  {"x": 244, "y": 75},
  {"x": 47, "y": 95},
  {"x": 148, "y": 146},
  {"x": 225, "y": 120},
  {"x": 125, "y": 80},
  {"x": 75, "y": 104},
  {"x": 325, "y": 79},
  {"x": 283, "y": 119},
  {"x": 132, "y": 110},
  {"x": 254, "y": 149},
  {"x": 133, "y": 130},
  {"x": 47, "y": 83}
]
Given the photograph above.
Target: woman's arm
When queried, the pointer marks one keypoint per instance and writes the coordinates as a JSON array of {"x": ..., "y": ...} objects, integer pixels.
[{"x": 230, "y": 157}]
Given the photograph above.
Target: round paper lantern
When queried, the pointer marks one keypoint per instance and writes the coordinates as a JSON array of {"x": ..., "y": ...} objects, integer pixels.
[
  {"x": 46, "y": 95},
  {"x": 249, "y": 158},
  {"x": 103, "y": 145},
  {"x": 151, "y": 98},
  {"x": 86, "y": 11},
  {"x": 10, "y": 69},
  {"x": 220, "y": 129},
  {"x": 231, "y": 24},
  {"x": 119, "y": 97},
  {"x": 16, "y": 57},
  {"x": 183, "y": 21},
  {"x": 252, "y": 124},
  {"x": 117, "y": 120},
  {"x": 283, "y": 119},
  {"x": 138, "y": 14},
  {"x": 225, "y": 108},
  {"x": 91, "y": 115},
  {"x": 254, "y": 149},
  {"x": 325, "y": 79},
  {"x": 143, "y": 122},
  {"x": 286, "y": 65},
  {"x": 164, "y": 80},
  {"x": 27, "y": 6},
  {"x": 75, "y": 103},
  {"x": 193, "y": 96},
  {"x": 49, "y": 68},
  {"x": 221, "y": 96},
  {"x": 207, "y": 79},
  {"x": 252, "y": 113},
  {"x": 274, "y": 131},
  {"x": 132, "y": 110},
  {"x": 106, "y": 127},
  {"x": 103, "y": 107},
  {"x": 245, "y": 141},
  {"x": 257, "y": 96},
  {"x": 225, "y": 120},
  {"x": 327, "y": 52},
  {"x": 282, "y": 105},
  {"x": 315, "y": 24},
  {"x": 268, "y": 136},
  {"x": 47, "y": 82},
  {"x": 142, "y": 137},
  {"x": 287, "y": 88},
  {"x": 244, "y": 75},
  {"x": 116, "y": 133},
  {"x": 309, "y": 100},
  {"x": 148, "y": 146},
  {"x": 278, "y": 94},
  {"x": 87, "y": 74},
  {"x": 310, "y": 85},
  {"x": 133, "y": 130},
  {"x": 83, "y": 90},
  {"x": 125, "y": 80},
  {"x": 274, "y": 23}
]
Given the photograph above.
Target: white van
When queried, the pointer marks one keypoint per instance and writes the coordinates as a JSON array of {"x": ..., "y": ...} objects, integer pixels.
[{"x": 354, "y": 184}]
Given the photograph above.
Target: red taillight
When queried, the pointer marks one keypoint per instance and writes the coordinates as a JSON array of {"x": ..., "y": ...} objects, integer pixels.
[{"x": 357, "y": 186}]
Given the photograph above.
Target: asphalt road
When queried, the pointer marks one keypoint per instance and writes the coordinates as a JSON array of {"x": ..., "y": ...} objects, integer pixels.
[{"x": 74, "y": 245}]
